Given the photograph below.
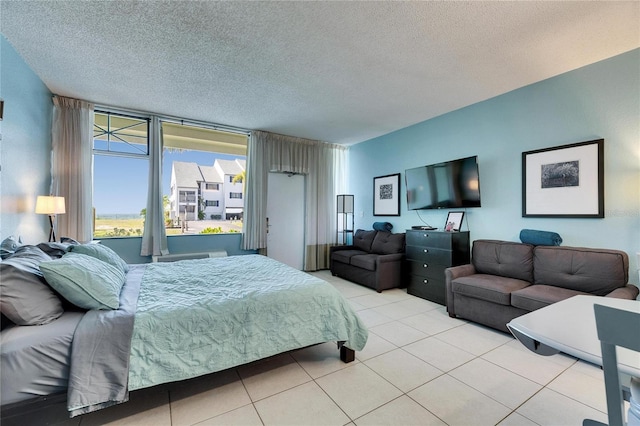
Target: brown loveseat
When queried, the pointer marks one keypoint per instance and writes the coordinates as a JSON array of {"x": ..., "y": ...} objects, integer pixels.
[
  {"x": 508, "y": 279},
  {"x": 374, "y": 259}
]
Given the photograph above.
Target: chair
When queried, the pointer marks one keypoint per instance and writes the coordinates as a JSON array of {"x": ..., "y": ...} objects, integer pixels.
[{"x": 617, "y": 328}]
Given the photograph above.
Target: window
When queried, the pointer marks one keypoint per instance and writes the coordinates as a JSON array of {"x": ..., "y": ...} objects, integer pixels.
[
  {"x": 196, "y": 160},
  {"x": 188, "y": 197},
  {"x": 235, "y": 195},
  {"x": 120, "y": 134},
  {"x": 120, "y": 174}
]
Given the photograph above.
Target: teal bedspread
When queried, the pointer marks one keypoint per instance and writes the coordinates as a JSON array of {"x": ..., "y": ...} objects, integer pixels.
[{"x": 200, "y": 316}]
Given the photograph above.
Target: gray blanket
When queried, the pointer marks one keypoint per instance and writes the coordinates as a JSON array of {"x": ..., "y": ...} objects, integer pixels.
[{"x": 100, "y": 352}]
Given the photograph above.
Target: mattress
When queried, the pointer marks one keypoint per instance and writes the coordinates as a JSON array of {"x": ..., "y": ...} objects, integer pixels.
[{"x": 35, "y": 359}]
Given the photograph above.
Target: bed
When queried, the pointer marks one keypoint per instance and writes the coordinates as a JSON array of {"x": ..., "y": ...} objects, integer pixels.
[{"x": 171, "y": 322}]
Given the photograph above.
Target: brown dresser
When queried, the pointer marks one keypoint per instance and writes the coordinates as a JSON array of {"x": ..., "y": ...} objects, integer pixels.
[{"x": 428, "y": 254}]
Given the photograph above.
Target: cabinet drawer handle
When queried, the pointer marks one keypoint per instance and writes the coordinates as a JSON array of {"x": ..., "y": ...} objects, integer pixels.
[
  {"x": 425, "y": 281},
  {"x": 425, "y": 265}
]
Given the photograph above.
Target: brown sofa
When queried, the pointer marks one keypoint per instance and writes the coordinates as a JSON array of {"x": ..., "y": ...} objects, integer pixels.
[
  {"x": 374, "y": 259},
  {"x": 508, "y": 279}
]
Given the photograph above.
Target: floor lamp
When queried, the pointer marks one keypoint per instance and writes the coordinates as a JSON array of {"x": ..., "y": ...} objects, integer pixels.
[{"x": 51, "y": 206}]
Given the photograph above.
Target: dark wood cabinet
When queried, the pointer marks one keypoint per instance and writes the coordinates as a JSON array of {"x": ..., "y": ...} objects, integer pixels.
[{"x": 428, "y": 254}]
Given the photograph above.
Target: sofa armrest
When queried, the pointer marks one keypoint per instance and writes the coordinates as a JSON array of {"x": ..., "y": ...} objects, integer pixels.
[
  {"x": 386, "y": 258},
  {"x": 451, "y": 274},
  {"x": 627, "y": 292},
  {"x": 459, "y": 271},
  {"x": 388, "y": 271}
]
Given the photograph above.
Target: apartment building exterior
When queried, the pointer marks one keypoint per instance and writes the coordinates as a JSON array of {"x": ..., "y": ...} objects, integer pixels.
[{"x": 208, "y": 189}]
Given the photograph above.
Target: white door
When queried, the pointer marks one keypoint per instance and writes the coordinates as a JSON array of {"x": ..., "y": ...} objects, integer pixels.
[{"x": 285, "y": 216}]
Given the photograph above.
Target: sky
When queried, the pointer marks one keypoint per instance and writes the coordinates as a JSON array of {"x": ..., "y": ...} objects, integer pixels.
[{"x": 120, "y": 183}]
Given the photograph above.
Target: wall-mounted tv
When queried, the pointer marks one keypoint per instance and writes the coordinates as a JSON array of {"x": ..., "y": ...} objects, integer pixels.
[{"x": 452, "y": 184}]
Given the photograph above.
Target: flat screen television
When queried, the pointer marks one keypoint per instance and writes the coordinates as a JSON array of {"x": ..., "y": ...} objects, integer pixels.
[{"x": 452, "y": 184}]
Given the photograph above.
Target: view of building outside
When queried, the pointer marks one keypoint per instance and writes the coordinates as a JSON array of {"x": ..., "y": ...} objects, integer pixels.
[
  {"x": 203, "y": 191},
  {"x": 208, "y": 198},
  {"x": 120, "y": 205}
]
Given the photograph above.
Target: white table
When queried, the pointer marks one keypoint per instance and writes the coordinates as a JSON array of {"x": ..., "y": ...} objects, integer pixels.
[{"x": 569, "y": 326}]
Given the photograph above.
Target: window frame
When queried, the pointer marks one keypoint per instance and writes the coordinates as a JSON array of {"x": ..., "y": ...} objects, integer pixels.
[
  {"x": 141, "y": 156},
  {"x": 198, "y": 146},
  {"x": 109, "y": 114}
]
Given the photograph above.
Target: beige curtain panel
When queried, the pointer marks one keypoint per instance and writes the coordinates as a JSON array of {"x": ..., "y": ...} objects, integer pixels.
[{"x": 72, "y": 146}]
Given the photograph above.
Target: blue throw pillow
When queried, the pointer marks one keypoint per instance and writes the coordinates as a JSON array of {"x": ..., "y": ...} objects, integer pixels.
[
  {"x": 85, "y": 281},
  {"x": 540, "y": 238},
  {"x": 382, "y": 226},
  {"x": 101, "y": 252}
]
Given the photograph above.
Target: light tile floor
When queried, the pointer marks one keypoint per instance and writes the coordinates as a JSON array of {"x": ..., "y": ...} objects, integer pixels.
[{"x": 419, "y": 367}]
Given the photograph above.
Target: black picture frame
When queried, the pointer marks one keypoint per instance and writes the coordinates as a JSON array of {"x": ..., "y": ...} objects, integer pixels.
[
  {"x": 455, "y": 219},
  {"x": 386, "y": 195},
  {"x": 565, "y": 181}
]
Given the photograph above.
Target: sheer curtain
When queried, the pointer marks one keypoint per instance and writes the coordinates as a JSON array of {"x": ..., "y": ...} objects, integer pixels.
[
  {"x": 324, "y": 167},
  {"x": 254, "y": 236},
  {"x": 326, "y": 179},
  {"x": 71, "y": 165},
  {"x": 154, "y": 236}
]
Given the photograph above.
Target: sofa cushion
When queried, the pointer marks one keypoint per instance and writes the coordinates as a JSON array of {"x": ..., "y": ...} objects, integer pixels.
[
  {"x": 363, "y": 239},
  {"x": 344, "y": 256},
  {"x": 594, "y": 271},
  {"x": 503, "y": 258},
  {"x": 491, "y": 288},
  {"x": 538, "y": 296},
  {"x": 365, "y": 261},
  {"x": 387, "y": 243}
]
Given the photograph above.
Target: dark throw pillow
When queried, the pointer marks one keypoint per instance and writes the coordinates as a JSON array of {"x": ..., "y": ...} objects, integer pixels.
[{"x": 25, "y": 297}]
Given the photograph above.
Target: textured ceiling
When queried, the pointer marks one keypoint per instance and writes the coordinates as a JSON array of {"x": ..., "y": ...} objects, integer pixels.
[{"x": 341, "y": 72}]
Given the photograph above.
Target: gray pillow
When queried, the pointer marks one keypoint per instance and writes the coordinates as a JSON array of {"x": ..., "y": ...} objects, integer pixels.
[
  {"x": 9, "y": 246},
  {"x": 53, "y": 249},
  {"x": 101, "y": 252},
  {"x": 85, "y": 281},
  {"x": 26, "y": 299}
]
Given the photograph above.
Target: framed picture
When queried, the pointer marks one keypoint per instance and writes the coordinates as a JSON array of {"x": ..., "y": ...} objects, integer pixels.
[
  {"x": 454, "y": 221},
  {"x": 565, "y": 181},
  {"x": 386, "y": 195}
]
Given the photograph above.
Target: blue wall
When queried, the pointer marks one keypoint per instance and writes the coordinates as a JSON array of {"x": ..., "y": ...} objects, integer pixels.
[
  {"x": 25, "y": 147},
  {"x": 601, "y": 100}
]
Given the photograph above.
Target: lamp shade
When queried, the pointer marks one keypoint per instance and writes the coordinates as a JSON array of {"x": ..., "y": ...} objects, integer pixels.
[{"x": 50, "y": 205}]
